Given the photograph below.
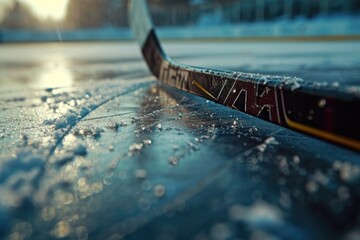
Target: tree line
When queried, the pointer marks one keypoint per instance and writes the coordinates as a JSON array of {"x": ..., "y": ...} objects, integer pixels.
[
  {"x": 113, "y": 13},
  {"x": 84, "y": 14},
  {"x": 79, "y": 14}
]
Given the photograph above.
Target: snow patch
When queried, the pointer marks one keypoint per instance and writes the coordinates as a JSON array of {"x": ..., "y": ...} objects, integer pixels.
[
  {"x": 258, "y": 214},
  {"x": 50, "y": 121},
  {"x": 80, "y": 150},
  {"x": 69, "y": 119},
  {"x": 88, "y": 132},
  {"x": 271, "y": 140},
  {"x": 84, "y": 111},
  {"x": 23, "y": 161},
  {"x": 19, "y": 177}
]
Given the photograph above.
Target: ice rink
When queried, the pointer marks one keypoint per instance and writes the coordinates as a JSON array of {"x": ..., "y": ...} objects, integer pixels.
[{"x": 92, "y": 147}]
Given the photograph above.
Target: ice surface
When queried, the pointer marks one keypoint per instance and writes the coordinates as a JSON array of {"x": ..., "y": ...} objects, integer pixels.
[{"x": 149, "y": 161}]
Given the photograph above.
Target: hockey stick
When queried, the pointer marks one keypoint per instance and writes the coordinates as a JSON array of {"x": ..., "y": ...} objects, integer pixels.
[{"x": 327, "y": 112}]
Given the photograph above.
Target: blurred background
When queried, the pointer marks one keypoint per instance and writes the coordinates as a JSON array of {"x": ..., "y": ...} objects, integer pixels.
[
  {"x": 86, "y": 133},
  {"x": 75, "y": 20}
]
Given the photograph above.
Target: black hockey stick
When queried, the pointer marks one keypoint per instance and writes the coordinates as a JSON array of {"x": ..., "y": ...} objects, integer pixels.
[{"x": 329, "y": 113}]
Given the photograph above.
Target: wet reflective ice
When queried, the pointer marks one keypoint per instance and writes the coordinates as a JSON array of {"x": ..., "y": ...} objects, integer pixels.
[{"x": 93, "y": 148}]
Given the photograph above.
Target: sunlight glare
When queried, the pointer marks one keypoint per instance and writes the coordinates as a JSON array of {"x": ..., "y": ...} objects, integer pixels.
[
  {"x": 55, "y": 9},
  {"x": 55, "y": 73}
]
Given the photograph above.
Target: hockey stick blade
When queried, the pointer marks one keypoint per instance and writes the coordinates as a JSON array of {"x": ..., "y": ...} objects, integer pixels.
[{"x": 327, "y": 112}]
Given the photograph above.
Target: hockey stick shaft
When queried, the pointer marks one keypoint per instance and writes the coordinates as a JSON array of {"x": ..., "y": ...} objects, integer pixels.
[{"x": 326, "y": 113}]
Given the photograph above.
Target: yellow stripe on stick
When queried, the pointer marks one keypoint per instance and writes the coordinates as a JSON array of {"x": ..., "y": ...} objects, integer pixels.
[
  {"x": 203, "y": 89},
  {"x": 348, "y": 142}
]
